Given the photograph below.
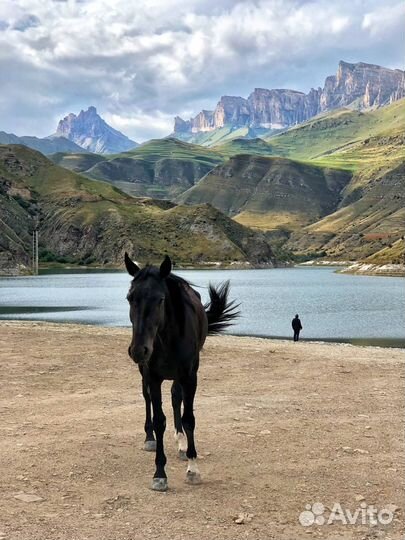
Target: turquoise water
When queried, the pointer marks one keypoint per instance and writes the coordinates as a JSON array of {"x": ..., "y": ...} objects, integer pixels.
[{"x": 332, "y": 306}]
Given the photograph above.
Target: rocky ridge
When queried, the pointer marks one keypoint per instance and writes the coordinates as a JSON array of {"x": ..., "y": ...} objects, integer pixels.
[{"x": 359, "y": 85}]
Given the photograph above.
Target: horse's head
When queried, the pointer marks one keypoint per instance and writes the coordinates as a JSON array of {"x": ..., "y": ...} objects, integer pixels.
[{"x": 146, "y": 299}]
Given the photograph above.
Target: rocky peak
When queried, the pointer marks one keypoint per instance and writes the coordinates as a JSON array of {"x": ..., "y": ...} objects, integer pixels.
[
  {"x": 91, "y": 132},
  {"x": 231, "y": 110},
  {"x": 357, "y": 85},
  {"x": 360, "y": 85},
  {"x": 181, "y": 125},
  {"x": 202, "y": 122}
]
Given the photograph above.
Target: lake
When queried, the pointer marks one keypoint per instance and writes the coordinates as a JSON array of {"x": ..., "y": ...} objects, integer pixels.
[{"x": 332, "y": 307}]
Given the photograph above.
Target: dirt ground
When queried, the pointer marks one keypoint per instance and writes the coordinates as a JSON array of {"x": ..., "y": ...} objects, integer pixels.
[{"x": 280, "y": 425}]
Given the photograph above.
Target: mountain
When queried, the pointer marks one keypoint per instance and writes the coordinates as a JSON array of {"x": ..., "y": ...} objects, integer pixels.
[
  {"x": 46, "y": 146},
  {"x": 281, "y": 192},
  {"x": 337, "y": 189},
  {"x": 159, "y": 168},
  {"x": 88, "y": 222},
  {"x": 89, "y": 131},
  {"x": 360, "y": 86},
  {"x": 368, "y": 222}
]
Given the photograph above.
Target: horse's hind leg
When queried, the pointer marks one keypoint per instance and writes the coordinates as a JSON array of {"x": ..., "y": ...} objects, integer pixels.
[
  {"x": 177, "y": 398},
  {"x": 189, "y": 387},
  {"x": 150, "y": 443}
]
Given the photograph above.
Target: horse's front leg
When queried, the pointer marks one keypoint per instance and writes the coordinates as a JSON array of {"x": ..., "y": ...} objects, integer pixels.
[
  {"x": 189, "y": 387},
  {"x": 159, "y": 482},
  {"x": 150, "y": 443},
  {"x": 177, "y": 398}
]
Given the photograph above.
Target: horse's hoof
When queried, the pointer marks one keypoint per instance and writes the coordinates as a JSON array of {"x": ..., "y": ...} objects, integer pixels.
[
  {"x": 150, "y": 446},
  {"x": 193, "y": 478},
  {"x": 159, "y": 484},
  {"x": 182, "y": 455}
]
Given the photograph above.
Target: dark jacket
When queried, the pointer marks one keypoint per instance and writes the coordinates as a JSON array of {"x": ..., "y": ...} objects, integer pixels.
[{"x": 296, "y": 324}]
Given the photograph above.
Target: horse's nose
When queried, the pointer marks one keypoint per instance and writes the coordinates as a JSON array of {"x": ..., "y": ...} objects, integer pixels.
[
  {"x": 139, "y": 354},
  {"x": 132, "y": 352}
]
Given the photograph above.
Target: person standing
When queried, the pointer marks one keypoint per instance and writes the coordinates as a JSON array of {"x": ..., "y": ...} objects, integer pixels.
[{"x": 297, "y": 327}]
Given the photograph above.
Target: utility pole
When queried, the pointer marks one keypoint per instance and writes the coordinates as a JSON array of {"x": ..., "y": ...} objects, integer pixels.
[
  {"x": 36, "y": 252},
  {"x": 35, "y": 255}
]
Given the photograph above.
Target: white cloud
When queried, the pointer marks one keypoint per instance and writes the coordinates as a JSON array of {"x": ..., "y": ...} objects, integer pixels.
[
  {"x": 143, "y": 62},
  {"x": 152, "y": 126},
  {"x": 385, "y": 17}
]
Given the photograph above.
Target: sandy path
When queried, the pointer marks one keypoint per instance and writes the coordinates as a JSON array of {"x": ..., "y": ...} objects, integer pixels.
[{"x": 279, "y": 425}]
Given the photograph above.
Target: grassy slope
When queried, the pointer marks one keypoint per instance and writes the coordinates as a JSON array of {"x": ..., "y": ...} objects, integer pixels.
[
  {"x": 337, "y": 139},
  {"x": 160, "y": 167},
  {"x": 255, "y": 146},
  {"x": 393, "y": 253},
  {"x": 269, "y": 192},
  {"x": 156, "y": 149},
  {"x": 76, "y": 162},
  {"x": 371, "y": 145},
  {"x": 86, "y": 220}
]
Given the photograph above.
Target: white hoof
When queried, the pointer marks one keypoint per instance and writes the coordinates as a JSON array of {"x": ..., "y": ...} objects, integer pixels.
[{"x": 193, "y": 478}]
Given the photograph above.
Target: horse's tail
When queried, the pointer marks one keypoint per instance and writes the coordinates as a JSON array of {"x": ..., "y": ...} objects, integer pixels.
[{"x": 220, "y": 311}]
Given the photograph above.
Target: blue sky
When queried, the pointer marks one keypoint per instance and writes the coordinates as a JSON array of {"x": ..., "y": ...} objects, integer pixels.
[{"x": 141, "y": 63}]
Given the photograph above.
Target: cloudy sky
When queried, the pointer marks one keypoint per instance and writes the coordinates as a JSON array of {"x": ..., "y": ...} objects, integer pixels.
[{"x": 142, "y": 62}]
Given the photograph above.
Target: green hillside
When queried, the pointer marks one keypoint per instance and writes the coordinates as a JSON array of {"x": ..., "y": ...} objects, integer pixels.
[
  {"x": 360, "y": 228},
  {"x": 159, "y": 168},
  {"x": 89, "y": 222},
  {"x": 346, "y": 139},
  {"x": 255, "y": 146},
  {"x": 370, "y": 217},
  {"x": 156, "y": 149},
  {"x": 270, "y": 193},
  {"x": 76, "y": 162}
]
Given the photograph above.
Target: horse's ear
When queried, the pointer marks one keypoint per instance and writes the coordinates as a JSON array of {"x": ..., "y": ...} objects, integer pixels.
[
  {"x": 132, "y": 268},
  {"x": 165, "y": 267}
]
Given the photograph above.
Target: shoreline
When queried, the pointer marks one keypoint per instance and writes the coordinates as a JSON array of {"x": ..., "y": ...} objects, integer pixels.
[
  {"x": 380, "y": 343},
  {"x": 342, "y": 267},
  {"x": 358, "y": 268}
]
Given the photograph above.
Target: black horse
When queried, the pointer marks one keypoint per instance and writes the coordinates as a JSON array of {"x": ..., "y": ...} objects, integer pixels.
[{"x": 169, "y": 327}]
